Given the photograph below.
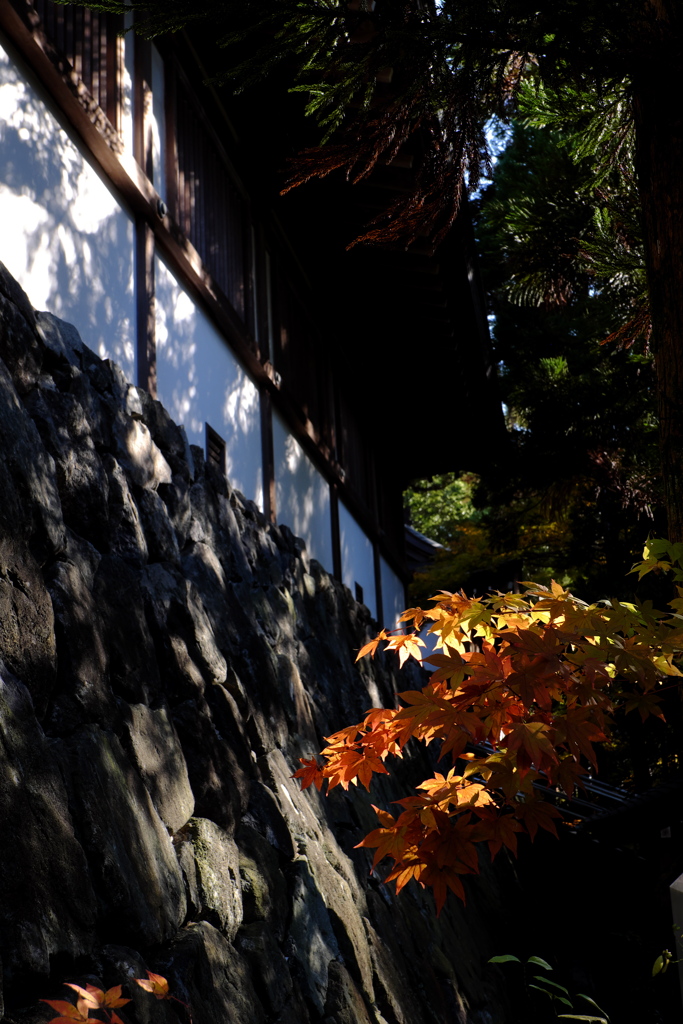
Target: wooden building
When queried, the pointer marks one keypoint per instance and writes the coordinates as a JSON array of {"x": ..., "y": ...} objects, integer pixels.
[{"x": 142, "y": 206}]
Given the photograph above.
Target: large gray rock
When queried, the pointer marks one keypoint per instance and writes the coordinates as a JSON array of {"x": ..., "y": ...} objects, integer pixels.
[
  {"x": 65, "y": 429},
  {"x": 126, "y": 535},
  {"x": 131, "y": 858},
  {"x": 30, "y": 476},
  {"x": 141, "y": 456},
  {"x": 20, "y": 345},
  {"x": 218, "y": 779},
  {"x": 177, "y": 610},
  {"x": 218, "y": 876},
  {"x": 328, "y": 869},
  {"x": 120, "y": 598},
  {"x": 27, "y": 627},
  {"x": 159, "y": 759},
  {"x": 208, "y": 974},
  {"x": 265, "y": 891},
  {"x": 269, "y": 970},
  {"x": 311, "y": 936},
  {"x": 47, "y": 903}
]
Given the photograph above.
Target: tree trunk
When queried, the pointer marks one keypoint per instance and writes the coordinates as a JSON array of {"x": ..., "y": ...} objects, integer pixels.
[{"x": 658, "y": 111}]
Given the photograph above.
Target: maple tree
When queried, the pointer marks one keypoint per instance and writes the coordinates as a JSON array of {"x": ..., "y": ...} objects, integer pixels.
[{"x": 532, "y": 681}]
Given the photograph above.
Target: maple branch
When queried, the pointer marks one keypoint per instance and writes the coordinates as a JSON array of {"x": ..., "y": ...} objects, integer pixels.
[{"x": 536, "y": 677}]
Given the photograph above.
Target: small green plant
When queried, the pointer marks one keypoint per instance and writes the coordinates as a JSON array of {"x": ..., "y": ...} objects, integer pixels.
[
  {"x": 666, "y": 957},
  {"x": 558, "y": 994}
]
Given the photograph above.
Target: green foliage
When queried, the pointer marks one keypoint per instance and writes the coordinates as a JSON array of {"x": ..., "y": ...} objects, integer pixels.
[
  {"x": 452, "y": 66},
  {"x": 438, "y": 506},
  {"x": 558, "y": 994},
  {"x": 583, "y": 471},
  {"x": 563, "y": 262}
]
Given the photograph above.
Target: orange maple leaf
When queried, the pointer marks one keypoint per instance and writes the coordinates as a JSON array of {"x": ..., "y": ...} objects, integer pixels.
[
  {"x": 533, "y": 744},
  {"x": 568, "y": 774},
  {"x": 310, "y": 774},
  {"x": 577, "y": 730},
  {"x": 70, "y": 1013},
  {"x": 414, "y": 615},
  {"x": 403, "y": 873},
  {"x": 449, "y": 666},
  {"x": 645, "y": 704},
  {"x": 156, "y": 984},
  {"x": 441, "y": 880},
  {"x": 498, "y": 830},
  {"x": 408, "y": 645},
  {"x": 96, "y": 998},
  {"x": 371, "y": 647},
  {"x": 537, "y": 813},
  {"x": 389, "y": 842},
  {"x": 351, "y": 765}
]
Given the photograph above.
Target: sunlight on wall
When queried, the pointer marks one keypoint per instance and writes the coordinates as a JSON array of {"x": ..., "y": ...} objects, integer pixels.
[
  {"x": 393, "y": 595},
  {"x": 200, "y": 381},
  {"x": 64, "y": 236},
  {"x": 302, "y": 495},
  {"x": 357, "y": 560}
]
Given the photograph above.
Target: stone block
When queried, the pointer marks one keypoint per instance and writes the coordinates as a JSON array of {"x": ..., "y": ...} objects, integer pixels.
[
  {"x": 268, "y": 966},
  {"x": 162, "y": 543},
  {"x": 159, "y": 759},
  {"x": 126, "y": 536},
  {"x": 141, "y": 456},
  {"x": 265, "y": 896},
  {"x": 218, "y": 876},
  {"x": 60, "y": 338},
  {"x": 32, "y": 472},
  {"x": 208, "y": 974},
  {"x": 311, "y": 937},
  {"x": 47, "y": 903},
  {"x": 217, "y": 778},
  {"x": 19, "y": 345},
  {"x": 27, "y": 627},
  {"x": 131, "y": 858}
]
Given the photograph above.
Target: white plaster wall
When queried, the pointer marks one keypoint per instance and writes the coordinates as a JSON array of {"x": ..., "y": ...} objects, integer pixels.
[
  {"x": 63, "y": 235},
  {"x": 393, "y": 595},
  {"x": 357, "y": 560},
  {"x": 200, "y": 381},
  {"x": 302, "y": 495}
]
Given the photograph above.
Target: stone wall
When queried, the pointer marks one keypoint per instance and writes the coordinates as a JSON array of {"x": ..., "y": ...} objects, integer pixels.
[{"x": 167, "y": 656}]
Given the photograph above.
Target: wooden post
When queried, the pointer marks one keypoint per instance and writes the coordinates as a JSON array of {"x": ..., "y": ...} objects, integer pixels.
[
  {"x": 268, "y": 457},
  {"x": 336, "y": 539},
  {"x": 379, "y": 610},
  {"x": 142, "y": 107},
  {"x": 144, "y": 308}
]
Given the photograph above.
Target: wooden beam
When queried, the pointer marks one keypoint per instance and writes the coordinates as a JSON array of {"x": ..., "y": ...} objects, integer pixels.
[{"x": 268, "y": 457}]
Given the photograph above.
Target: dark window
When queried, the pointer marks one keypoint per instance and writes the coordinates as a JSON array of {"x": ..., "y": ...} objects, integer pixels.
[
  {"x": 215, "y": 448},
  {"x": 92, "y": 46}
]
